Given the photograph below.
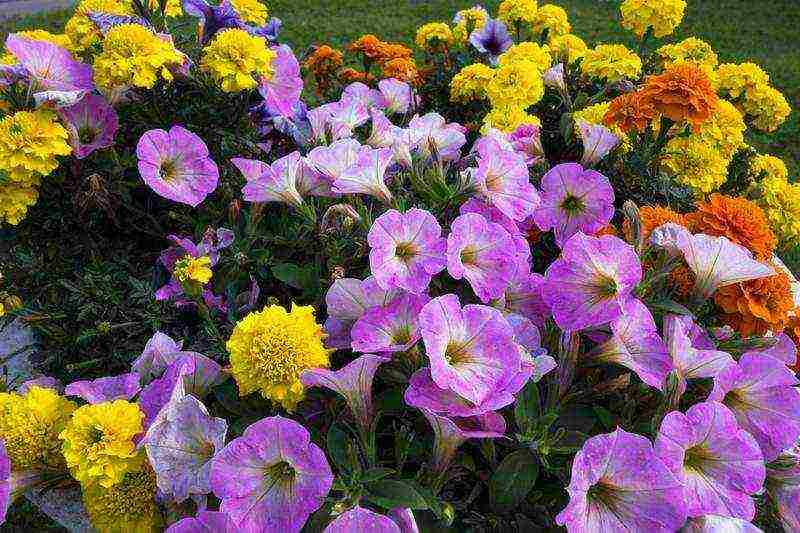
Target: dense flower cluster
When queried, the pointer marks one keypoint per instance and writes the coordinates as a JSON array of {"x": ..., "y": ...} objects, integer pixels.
[{"x": 237, "y": 60}]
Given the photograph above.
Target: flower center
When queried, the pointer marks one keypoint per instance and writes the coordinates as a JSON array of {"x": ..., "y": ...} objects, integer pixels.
[
  {"x": 602, "y": 493},
  {"x": 401, "y": 335},
  {"x": 573, "y": 205},
  {"x": 456, "y": 353},
  {"x": 406, "y": 251},
  {"x": 735, "y": 400},
  {"x": 281, "y": 473},
  {"x": 169, "y": 170},
  {"x": 469, "y": 255},
  {"x": 86, "y": 134},
  {"x": 606, "y": 287},
  {"x": 696, "y": 457}
]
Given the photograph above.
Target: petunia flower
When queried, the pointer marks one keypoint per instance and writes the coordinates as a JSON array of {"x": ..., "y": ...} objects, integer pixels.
[
  {"x": 719, "y": 464},
  {"x": 272, "y": 477},
  {"x": 523, "y": 296},
  {"x": 204, "y": 522},
  {"x": 482, "y": 252},
  {"x": 369, "y": 98},
  {"x": 212, "y": 18},
  {"x": 322, "y": 125},
  {"x": 431, "y": 135},
  {"x": 554, "y": 77},
  {"x": 405, "y": 520},
  {"x": 526, "y": 140},
  {"x": 13, "y": 483},
  {"x": 783, "y": 487},
  {"x": 619, "y": 484},
  {"x": 157, "y": 355},
  {"x": 597, "y": 141},
  {"x": 574, "y": 199},
  {"x": 406, "y": 249},
  {"x": 390, "y": 328},
  {"x": 693, "y": 355},
  {"x": 449, "y": 434},
  {"x": 353, "y": 382},
  {"x": 360, "y": 520},
  {"x": 331, "y": 161},
  {"x": 501, "y": 179},
  {"x": 367, "y": 175},
  {"x": 346, "y": 116},
  {"x": 471, "y": 349},
  {"x": 762, "y": 393},
  {"x": 398, "y": 96},
  {"x": 529, "y": 342},
  {"x": 180, "y": 445},
  {"x": 277, "y": 182},
  {"x": 635, "y": 344},
  {"x": 282, "y": 91},
  {"x": 347, "y": 300},
  {"x": 176, "y": 165},
  {"x": 49, "y": 66},
  {"x": 493, "y": 39},
  {"x": 91, "y": 123},
  {"x": 592, "y": 281},
  {"x": 715, "y": 524},
  {"x": 383, "y": 131},
  {"x": 124, "y": 387},
  {"x": 105, "y": 21}
]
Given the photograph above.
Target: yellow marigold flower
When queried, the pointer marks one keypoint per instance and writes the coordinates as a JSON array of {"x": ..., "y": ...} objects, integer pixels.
[
  {"x": 470, "y": 83},
  {"x": 780, "y": 201},
  {"x": 518, "y": 84},
  {"x": 81, "y": 30},
  {"x": 595, "y": 114},
  {"x": 693, "y": 51},
  {"x": 611, "y": 62},
  {"x": 725, "y": 129},
  {"x": 127, "y": 507},
  {"x": 507, "y": 119},
  {"x": 769, "y": 166},
  {"x": 269, "y": 348},
  {"x": 738, "y": 79},
  {"x": 196, "y": 269},
  {"x": 695, "y": 164},
  {"x": 433, "y": 34},
  {"x": 172, "y": 9},
  {"x": 29, "y": 427},
  {"x": 767, "y": 107},
  {"x": 134, "y": 55},
  {"x": 15, "y": 199},
  {"x": 98, "y": 442},
  {"x": 551, "y": 18},
  {"x": 514, "y": 12},
  {"x": 29, "y": 144},
  {"x": 251, "y": 11},
  {"x": 237, "y": 60},
  {"x": 661, "y": 15},
  {"x": 569, "y": 47},
  {"x": 527, "y": 51},
  {"x": 467, "y": 21}
]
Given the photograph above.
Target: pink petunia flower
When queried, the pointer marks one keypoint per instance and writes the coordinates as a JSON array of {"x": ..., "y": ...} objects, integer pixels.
[
  {"x": 278, "y": 182},
  {"x": 282, "y": 90},
  {"x": 367, "y": 175},
  {"x": 92, "y": 124},
  {"x": 347, "y": 300},
  {"x": 390, "y": 328},
  {"x": 501, "y": 179},
  {"x": 398, "y": 96},
  {"x": 49, "y": 66}
]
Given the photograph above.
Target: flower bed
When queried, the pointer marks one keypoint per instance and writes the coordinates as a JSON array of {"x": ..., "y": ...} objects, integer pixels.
[{"x": 507, "y": 280}]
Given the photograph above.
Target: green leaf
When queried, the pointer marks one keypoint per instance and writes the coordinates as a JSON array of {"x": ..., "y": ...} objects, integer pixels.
[
  {"x": 513, "y": 480},
  {"x": 341, "y": 448},
  {"x": 391, "y": 493},
  {"x": 374, "y": 474},
  {"x": 527, "y": 408},
  {"x": 293, "y": 275},
  {"x": 605, "y": 418}
]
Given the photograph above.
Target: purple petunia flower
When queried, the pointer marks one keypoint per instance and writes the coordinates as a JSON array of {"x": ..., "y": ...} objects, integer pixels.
[
  {"x": 360, "y": 520},
  {"x": 719, "y": 464},
  {"x": 619, "y": 484},
  {"x": 762, "y": 393},
  {"x": 105, "y": 21},
  {"x": 331, "y": 161},
  {"x": 390, "y": 328},
  {"x": 501, "y": 180},
  {"x": 92, "y": 124},
  {"x": 493, "y": 39},
  {"x": 383, "y": 131},
  {"x": 272, "y": 477},
  {"x": 449, "y": 434},
  {"x": 783, "y": 487},
  {"x": 597, "y": 141},
  {"x": 591, "y": 282},
  {"x": 635, "y": 343},
  {"x": 5, "y": 482},
  {"x": 347, "y": 300},
  {"x": 204, "y": 522},
  {"x": 397, "y": 95},
  {"x": 554, "y": 77},
  {"x": 49, "y": 66},
  {"x": 176, "y": 165},
  {"x": 106, "y": 389},
  {"x": 693, "y": 354},
  {"x": 573, "y": 200},
  {"x": 523, "y": 296},
  {"x": 43, "y": 382},
  {"x": 367, "y": 175},
  {"x": 271, "y": 183},
  {"x": 158, "y": 354},
  {"x": 431, "y": 134},
  {"x": 717, "y": 524},
  {"x": 346, "y": 116},
  {"x": 405, "y": 520},
  {"x": 214, "y": 18},
  {"x": 353, "y": 382},
  {"x": 406, "y": 249},
  {"x": 471, "y": 350},
  {"x": 361, "y": 93},
  {"x": 181, "y": 444},
  {"x": 526, "y": 140},
  {"x": 282, "y": 91},
  {"x": 482, "y": 252}
]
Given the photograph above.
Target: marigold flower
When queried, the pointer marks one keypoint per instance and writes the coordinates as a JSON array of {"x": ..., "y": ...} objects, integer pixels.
[
  {"x": 551, "y": 18},
  {"x": 432, "y": 35},
  {"x": 351, "y": 75},
  {"x": 518, "y": 84},
  {"x": 767, "y": 106},
  {"x": 468, "y": 20},
  {"x": 695, "y": 164},
  {"x": 98, "y": 442},
  {"x": 251, "y": 11},
  {"x": 127, "y": 507},
  {"x": 663, "y": 16},
  {"x": 402, "y": 69},
  {"x": 725, "y": 129},
  {"x": 29, "y": 144},
  {"x": 757, "y": 306},
  {"x": 611, "y": 62},
  {"x": 768, "y": 166},
  {"x": 738, "y": 219},
  {"x": 568, "y": 46},
  {"x": 693, "y": 51},
  {"x": 193, "y": 270},
  {"x": 172, "y": 8},
  {"x": 323, "y": 61},
  {"x": 134, "y": 55},
  {"x": 682, "y": 93},
  {"x": 237, "y": 60},
  {"x": 29, "y": 426},
  {"x": 507, "y": 119},
  {"x": 15, "y": 199},
  {"x": 780, "y": 201},
  {"x": 81, "y": 31},
  {"x": 631, "y": 112},
  {"x": 527, "y": 51},
  {"x": 517, "y": 11},
  {"x": 369, "y": 45},
  {"x": 470, "y": 83},
  {"x": 738, "y": 79},
  {"x": 270, "y": 348}
]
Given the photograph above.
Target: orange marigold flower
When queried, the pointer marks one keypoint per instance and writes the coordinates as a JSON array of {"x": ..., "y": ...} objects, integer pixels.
[
  {"x": 757, "y": 306},
  {"x": 681, "y": 93},
  {"x": 350, "y": 75},
  {"x": 682, "y": 280},
  {"x": 738, "y": 219},
  {"x": 793, "y": 331},
  {"x": 323, "y": 60},
  {"x": 653, "y": 216},
  {"x": 608, "y": 229},
  {"x": 401, "y": 69},
  {"x": 369, "y": 45},
  {"x": 631, "y": 112}
]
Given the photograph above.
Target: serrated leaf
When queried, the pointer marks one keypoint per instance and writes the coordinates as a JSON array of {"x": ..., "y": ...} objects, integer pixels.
[
  {"x": 391, "y": 493},
  {"x": 513, "y": 480}
]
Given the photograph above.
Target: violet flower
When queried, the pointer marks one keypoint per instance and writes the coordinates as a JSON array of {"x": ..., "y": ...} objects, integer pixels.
[
  {"x": 597, "y": 141},
  {"x": 397, "y": 95},
  {"x": 360, "y": 520},
  {"x": 431, "y": 135},
  {"x": 346, "y": 116},
  {"x": 523, "y": 296},
  {"x": 271, "y": 183},
  {"x": 390, "y": 328},
  {"x": 719, "y": 464},
  {"x": 159, "y": 352},
  {"x": 502, "y": 180},
  {"x": 383, "y": 131},
  {"x": 692, "y": 353},
  {"x": 783, "y": 487},
  {"x": 619, "y": 484},
  {"x": 92, "y": 124},
  {"x": 176, "y": 165},
  {"x": 526, "y": 140},
  {"x": 449, "y": 434},
  {"x": 105, "y": 389},
  {"x": 406, "y": 249},
  {"x": 367, "y": 175},
  {"x": 592, "y": 281},
  {"x": 272, "y": 477},
  {"x": 492, "y": 214},
  {"x": 762, "y": 393},
  {"x": 331, "y": 161},
  {"x": 369, "y": 98},
  {"x": 347, "y": 300},
  {"x": 204, "y": 522},
  {"x": 574, "y": 199},
  {"x": 48, "y": 66},
  {"x": 492, "y": 40},
  {"x": 716, "y": 524},
  {"x": 482, "y": 252},
  {"x": 282, "y": 91}
]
